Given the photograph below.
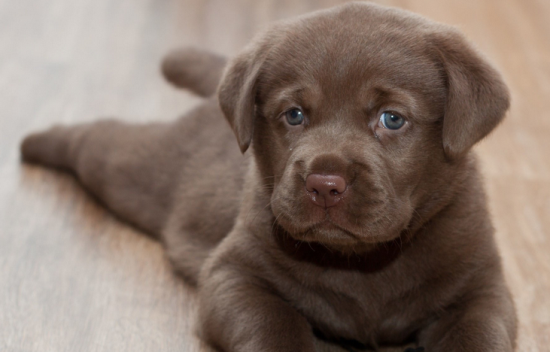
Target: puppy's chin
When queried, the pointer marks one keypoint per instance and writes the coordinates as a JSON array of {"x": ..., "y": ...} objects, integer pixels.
[{"x": 336, "y": 237}]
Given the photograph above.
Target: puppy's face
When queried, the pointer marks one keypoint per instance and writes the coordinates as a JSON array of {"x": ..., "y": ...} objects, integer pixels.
[{"x": 355, "y": 123}]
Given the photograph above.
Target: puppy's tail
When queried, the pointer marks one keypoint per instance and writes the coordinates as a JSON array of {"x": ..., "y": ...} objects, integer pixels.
[{"x": 198, "y": 70}]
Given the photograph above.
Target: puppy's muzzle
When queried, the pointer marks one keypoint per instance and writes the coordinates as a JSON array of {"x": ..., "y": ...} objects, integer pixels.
[{"x": 325, "y": 190}]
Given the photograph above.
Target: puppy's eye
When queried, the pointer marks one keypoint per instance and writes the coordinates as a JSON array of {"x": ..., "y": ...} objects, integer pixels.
[
  {"x": 391, "y": 120},
  {"x": 294, "y": 117}
]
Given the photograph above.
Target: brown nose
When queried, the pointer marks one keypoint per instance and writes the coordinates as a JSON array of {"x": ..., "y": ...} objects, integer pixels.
[{"x": 325, "y": 190}]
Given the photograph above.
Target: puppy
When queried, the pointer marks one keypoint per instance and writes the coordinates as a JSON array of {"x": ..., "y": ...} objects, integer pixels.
[{"x": 357, "y": 213}]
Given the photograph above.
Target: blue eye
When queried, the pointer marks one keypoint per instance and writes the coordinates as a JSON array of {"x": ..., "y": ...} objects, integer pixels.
[
  {"x": 391, "y": 121},
  {"x": 294, "y": 117}
]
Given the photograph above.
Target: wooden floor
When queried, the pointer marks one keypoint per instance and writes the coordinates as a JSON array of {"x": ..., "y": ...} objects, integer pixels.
[{"x": 73, "y": 278}]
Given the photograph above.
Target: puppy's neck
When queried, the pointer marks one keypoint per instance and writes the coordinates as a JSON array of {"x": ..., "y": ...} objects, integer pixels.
[{"x": 370, "y": 259}]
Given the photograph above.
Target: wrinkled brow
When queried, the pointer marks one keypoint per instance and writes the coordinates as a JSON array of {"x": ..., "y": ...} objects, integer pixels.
[
  {"x": 394, "y": 98},
  {"x": 284, "y": 98}
]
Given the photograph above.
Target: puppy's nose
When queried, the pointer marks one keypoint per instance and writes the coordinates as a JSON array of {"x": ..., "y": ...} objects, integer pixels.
[{"x": 325, "y": 190}]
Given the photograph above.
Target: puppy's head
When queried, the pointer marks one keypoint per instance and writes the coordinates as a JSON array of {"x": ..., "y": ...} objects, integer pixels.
[{"x": 360, "y": 118}]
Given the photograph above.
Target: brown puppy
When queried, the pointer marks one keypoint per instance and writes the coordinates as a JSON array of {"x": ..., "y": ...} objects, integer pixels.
[{"x": 358, "y": 215}]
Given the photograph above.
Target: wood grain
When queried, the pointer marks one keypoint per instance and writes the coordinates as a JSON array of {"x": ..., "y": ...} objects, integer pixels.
[{"x": 73, "y": 278}]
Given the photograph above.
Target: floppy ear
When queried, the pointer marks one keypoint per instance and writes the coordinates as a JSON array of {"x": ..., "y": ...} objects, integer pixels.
[
  {"x": 237, "y": 92},
  {"x": 477, "y": 98}
]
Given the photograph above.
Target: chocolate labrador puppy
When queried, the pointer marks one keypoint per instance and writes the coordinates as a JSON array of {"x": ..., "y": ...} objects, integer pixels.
[{"x": 357, "y": 213}]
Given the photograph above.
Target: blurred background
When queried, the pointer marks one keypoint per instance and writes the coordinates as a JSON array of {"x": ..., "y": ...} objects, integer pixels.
[{"x": 73, "y": 278}]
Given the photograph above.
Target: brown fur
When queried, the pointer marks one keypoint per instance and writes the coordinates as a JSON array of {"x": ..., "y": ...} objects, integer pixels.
[{"x": 408, "y": 253}]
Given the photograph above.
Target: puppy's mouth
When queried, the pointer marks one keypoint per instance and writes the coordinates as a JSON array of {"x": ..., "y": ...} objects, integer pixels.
[
  {"x": 330, "y": 227},
  {"x": 333, "y": 234}
]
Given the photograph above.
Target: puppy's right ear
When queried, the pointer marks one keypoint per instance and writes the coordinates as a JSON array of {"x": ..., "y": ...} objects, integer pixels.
[{"x": 237, "y": 92}]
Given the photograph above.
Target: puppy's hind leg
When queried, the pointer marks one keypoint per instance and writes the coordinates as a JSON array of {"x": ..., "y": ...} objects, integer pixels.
[{"x": 129, "y": 168}]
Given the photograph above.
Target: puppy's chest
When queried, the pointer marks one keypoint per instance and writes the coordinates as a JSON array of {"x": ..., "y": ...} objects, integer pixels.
[{"x": 356, "y": 307}]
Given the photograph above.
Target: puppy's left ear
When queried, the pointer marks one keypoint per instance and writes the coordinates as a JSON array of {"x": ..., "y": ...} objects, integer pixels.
[
  {"x": 237, "y": 91},
  {"x": 477, "y": 97}
]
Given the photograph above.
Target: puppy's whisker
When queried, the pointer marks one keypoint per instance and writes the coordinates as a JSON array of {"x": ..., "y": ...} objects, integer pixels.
[
  {"x": 259, "y": 211},
  {"x": 275, "y": 222}
]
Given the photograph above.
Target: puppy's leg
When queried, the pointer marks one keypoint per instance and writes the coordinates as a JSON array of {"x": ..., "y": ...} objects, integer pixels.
[
  {"x": 240, "y": 314},
  {"x": 129, "y": 168},
  {"x": 197, "y": 70},
  {"x": 484, "y": 324}
]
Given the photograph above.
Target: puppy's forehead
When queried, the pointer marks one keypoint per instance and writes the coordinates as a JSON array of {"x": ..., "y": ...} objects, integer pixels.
[{"x": 353, "y": 46}]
